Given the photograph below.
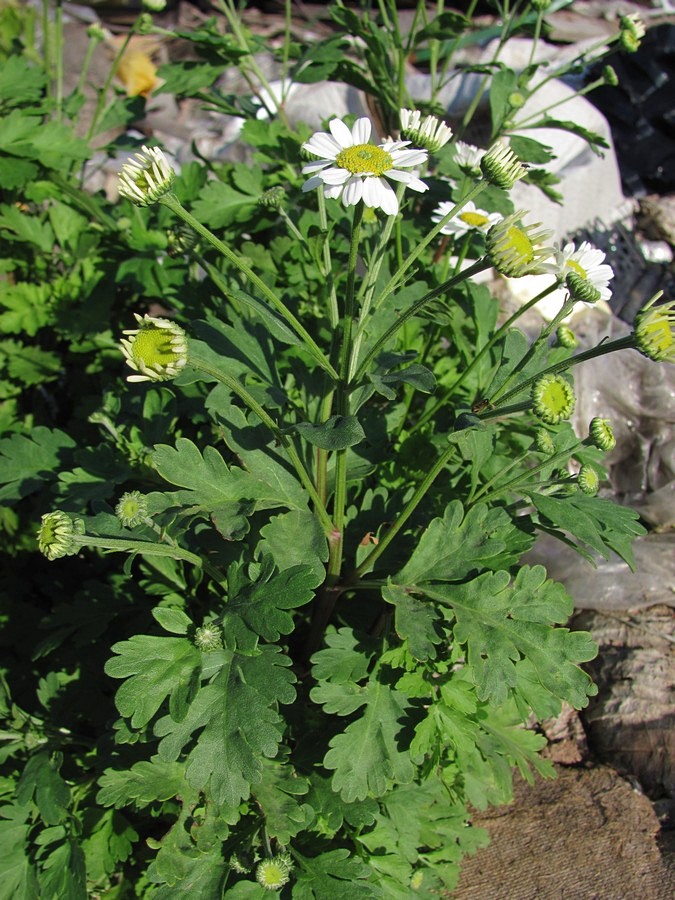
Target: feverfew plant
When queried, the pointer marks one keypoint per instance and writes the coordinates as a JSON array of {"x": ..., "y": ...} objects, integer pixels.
[{"x": 324, "y": 457}]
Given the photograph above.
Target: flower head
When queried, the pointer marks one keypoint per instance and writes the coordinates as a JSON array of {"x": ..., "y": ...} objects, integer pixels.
[
  {"x": 631, "y": 32},
  {"x": 132, "y": 509},
  {"x": 470, "y": 217},
  {"x": 552, "y": 399},
  {"x": 468, "y": 158},
  {"x": 147, "y": 178},
  {"x": 515, "y": 249},
  {"x": 430, "y": 132},
  {"x": 585, "y": 273},
  {"x": 59, "y": 534},
  {"x": 157, "y": 349},
  {"x": 154, "y": 5},
  {"x": 501, "y": 166},
  {"x": 566, "y": 337},
  {"x": 654, "y": 330},
  {"x": 601, "y": 434},
  {"x": 273, "y": 198},
  {"x": 544, "y": 442},
  {"x": 273, "y": 874},
  {"x": 208, "y": 638},
  {"x": 588, "y": 480},
  {"x": 351, "y": 168}
]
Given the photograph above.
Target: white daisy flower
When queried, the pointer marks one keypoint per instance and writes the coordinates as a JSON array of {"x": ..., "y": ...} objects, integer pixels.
[
  {"x": 468, "y": 157},
  {"x": 430, "y": 132},
  {"x": 354, "y": 169},
  {"x": 469, "y": 218},
  {"x": 587, "y": 263},
  {"x": 147, "y": 178}
]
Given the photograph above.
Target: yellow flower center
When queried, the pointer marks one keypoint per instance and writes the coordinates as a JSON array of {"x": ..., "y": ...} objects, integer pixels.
[
  {"x": 575, "y": 267},
  {"x": 519, "y": 244},
  {"x": 556, "y": 397},
  {"x": 658, "y": 332},
  {"x": 474, "y": 219},
  {"x": 364, "y": 159},
  {"x": 152, "y": 346}
]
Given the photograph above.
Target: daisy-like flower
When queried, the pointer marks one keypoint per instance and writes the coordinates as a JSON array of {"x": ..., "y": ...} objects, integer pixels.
[
  {"x": 468, "y": 158},
  {"x": 146, "y": 179},
  {"x": 587, "y": 264},
  {"x": 59, "y": 535},
  {"x": 552, "y": 399},
  {"x": 501, "y": 166},
  {"x": 469, "y": 218},
  {"x": 351, "y": 168},
  {"x": 516, "y": 249},
  {"x": 654, "y": 330},
  {"x": 430, "y": 132},
  {"x": 157, "y": 349}
]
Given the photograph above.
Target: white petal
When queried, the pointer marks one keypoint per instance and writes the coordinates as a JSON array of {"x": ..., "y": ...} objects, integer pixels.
[
  {"x": 415, "y": 184},
  {"x": 361, "y": 131},
  {"x": 395, "y": 175},
  {"x": 353, "y": 191},
  {"x": 387, "y": 198},
  {"x": 312, "y": 183},
  {"x": 322, "y": 144},
  {"x": 341, "y": 133},
  {"x": 335, "y": 175},
  {"x": 332, "y": 192},
  {"x": 316, "y": 166},
  {"x": 409, "y": 158},
  {"x": 371, "y": 192}
]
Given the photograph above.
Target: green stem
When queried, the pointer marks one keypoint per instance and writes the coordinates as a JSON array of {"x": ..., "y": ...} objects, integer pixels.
[
  {"x": 172, "y": 203},
  {"x": 86, "y": 62},
  {"x": 58, "y": 53},
  {"x": 414, "y": 309},
  {"x": 47, "y": 46},
  {"x": 103, "y": 94},
  {"x": 624, "y": 343},
  {"x": 333, "y": 311},
  {"x": 537, "y": 117},
  {"x": 145, "y": 548},
  {"x": 407, "y": 511},
  {"x": 237, "y": 388},
  {"x": 343, "y": 401}
]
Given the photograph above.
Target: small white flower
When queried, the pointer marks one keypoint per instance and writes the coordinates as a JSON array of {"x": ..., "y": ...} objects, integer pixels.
[
  {"x": 468, "y": 157},
  {"x": 351, "y": 168},
  {"x": 469, "y": 218},
  {"x": 147, "y": 178},
  {"x": 587, "y": 262},
  {"x": 430, "y": 132}
]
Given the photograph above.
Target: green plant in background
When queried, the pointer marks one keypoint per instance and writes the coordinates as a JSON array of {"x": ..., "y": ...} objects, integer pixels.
[{"x": 328, "y": 461}]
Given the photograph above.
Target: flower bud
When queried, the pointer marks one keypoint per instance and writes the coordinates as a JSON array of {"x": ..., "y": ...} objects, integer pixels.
[
  {"x": 588, "y": 480},
  {"x": 631, "y": 32},
  {"x": 501, "y": 166},
  {"x": 610, "y": 77},
  {"x": 429, "y": 133},
  {"x": 157, "y": 349},
  {"x": 581, "y": 289},
  {"x": 59, "y": 535},
  {"x": 208, "y": 638},
  {"x": 96, "y": 32},
  {"x": 654, "y": 330},
  {"x": 132, "y": 509},
  {"x": 544, "y": 442},
  {"x": 566, "y": 337},
  {"x": 146, "y": 179},
  {"x": 273, "y": 198},
  {"x": 601, "y": 434},
  {"x": 552, "y": 399},
  {"x": 273, "y": 874}
]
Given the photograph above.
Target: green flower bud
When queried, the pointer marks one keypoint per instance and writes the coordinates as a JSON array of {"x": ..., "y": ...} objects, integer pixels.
[
  {"x": 654, "y": 330},
  {"x": 157, "y": 349},
  {"x": 516, "y": 100},
  {"x": 588, "y": 480},
  {"x": 601, "y": 434},
  {"x": 208, "y": 638},
  {"x": 610, "y": 76},
  {"x": 501, "y": 166},
  {"x": 154, "y": 5},
  {"x": 552, "y": 399},
  {"x": 144, "y": 24},
  {"x": 581, "y": 289},
  {"x": 566, "y": 337},
  {"x": 273, "y": 874},
  {"x": 132, "y": 509},
  {"x": 181, "y": 239},
  {"x": 273, "y": 198},
  {"x": 146, "y": 179},
  {"x": 515, "y": 249},
  {"x": 631, "y": 32},
  {"x": 544, "y": 442},
  {"x": 59, "y": 535},
  {"x": 540, "y": 5},
  {"x": 96, "y": 32}
]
